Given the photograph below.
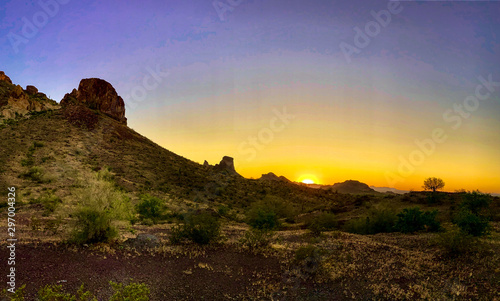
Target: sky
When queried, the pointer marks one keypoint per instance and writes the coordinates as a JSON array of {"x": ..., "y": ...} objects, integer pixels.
[{"x": 384, "y": 92}]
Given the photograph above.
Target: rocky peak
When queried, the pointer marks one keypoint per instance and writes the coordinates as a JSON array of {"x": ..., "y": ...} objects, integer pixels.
[
  {"x": 226, "y": 164},
  {"x": 273, "y": 177},
  {"x": 97, "y": 94},
  {"x": 4, "y": 77},
  {"x": 31, "y": 90}
]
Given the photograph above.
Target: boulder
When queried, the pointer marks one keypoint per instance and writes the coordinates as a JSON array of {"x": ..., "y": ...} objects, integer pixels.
[
  {"x": 31, "y": 90},
  {"x": 97, "y": 94}
]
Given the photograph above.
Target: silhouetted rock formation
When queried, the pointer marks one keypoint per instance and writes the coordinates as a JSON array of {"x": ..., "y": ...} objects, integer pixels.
[
  {"x": 272, "y": 177},
  {"x": 206, "y": 163},
  {"x": 352, "y": 186},
  {"x": 226, "y": 164},
  {"x": 97, "y": 94}
]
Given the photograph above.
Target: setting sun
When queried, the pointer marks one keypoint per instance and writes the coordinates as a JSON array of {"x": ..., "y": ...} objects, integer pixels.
[{"x": 308, "y": 179}]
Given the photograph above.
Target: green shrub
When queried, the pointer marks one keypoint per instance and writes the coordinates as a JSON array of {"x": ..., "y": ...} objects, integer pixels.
[
  {"x": 265, "y": 214},
  {"x": 475, "y": 201},
  {"x": 377, "y": 221},
  {"x": 54, "y": 293},
  {"x": 151, "y": 208},
  {"x": 257, "y": 240},
  {"x": 223, "y": 210},
  {"x": 35, "y": 174},
  {"x": 130, "y": 292},
  {"x": 201, "y": 228},
  {"x": 323, "y": 222},
  {"x": 93, "y": 226},
  {"x": 472, "y": 224},
  {"x": 18, "y": 295},
  {"x": 309, "y": 260},
  {"x": 358, "y": 225},
  {"x": 413, "y": 219},
  {"x": 28, "y": 161},
  {"x": 49, "y": 202},
  {"x": 99, "y": 205},
  {"x": 262, "y": 219},
  {"x": 456, "y": 242}
]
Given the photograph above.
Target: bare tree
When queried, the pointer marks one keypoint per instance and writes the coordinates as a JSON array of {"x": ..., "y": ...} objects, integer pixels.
[{"x": 433, "y": 184}]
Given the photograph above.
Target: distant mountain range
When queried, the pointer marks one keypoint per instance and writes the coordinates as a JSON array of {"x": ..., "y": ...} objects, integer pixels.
[{"x": 388, "y": 189}]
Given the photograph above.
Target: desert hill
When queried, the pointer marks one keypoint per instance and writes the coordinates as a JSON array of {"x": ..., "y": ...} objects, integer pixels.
[
  {"x": 352, "y": 186},
  {"x": 88, "y": 132}
]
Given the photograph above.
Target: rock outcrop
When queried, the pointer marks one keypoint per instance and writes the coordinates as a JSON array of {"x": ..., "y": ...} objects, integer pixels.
[
  {"x": 32, "y": 90},
  {"x": 226, "y": 164},
  {"x": 97, "y": 94},
  {"x": 4, "y": 77},
  {"x": 272, "y": 177},
  {"x": 15, "y": 102}
]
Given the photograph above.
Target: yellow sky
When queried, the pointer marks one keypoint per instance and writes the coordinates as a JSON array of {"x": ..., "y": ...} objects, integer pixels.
[{"x": 333, "y": 139}]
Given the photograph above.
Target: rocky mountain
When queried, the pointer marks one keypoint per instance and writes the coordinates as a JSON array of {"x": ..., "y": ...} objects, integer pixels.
[
  {"x": 351, "y": 186},
  {"x": 17, "y": 102},
  {"x": 272, "y": 177},
  {"x": 388, "y": 189},
  {"x": 97, "y": 94}
]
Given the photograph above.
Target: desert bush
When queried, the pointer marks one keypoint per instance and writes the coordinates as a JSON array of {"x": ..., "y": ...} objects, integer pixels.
[
  {"x": 323, "y": 222},
  {"x": 49, "y": 202},
  {"x": 93, "y": 226},
  {"x": 201, "y": 228},
  {"x": 475, "y": 201},
  {"x": 54, "y": 293},
  {"x": 377, "y": 221},
  {"x": 257, "y": 240},
  {"x": 18, "y": 295},
  {"x": 469, "y": 217},
  {"x": 130, "y": 292},
  {"x": 471, "y": 223},
  {"x": 223, "y": 210},
  {"x": 151, "y": 208},
  {"x": 99, "y": 205},
  {"x": 413, "y": 220},
  {"x": 35, "y": 174},
  {"x": 263, "y": 219},
  {"x": 265, "y": 214},
  {"x": 456, "y": 242},
  {"x": 309, "y": 260}
]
